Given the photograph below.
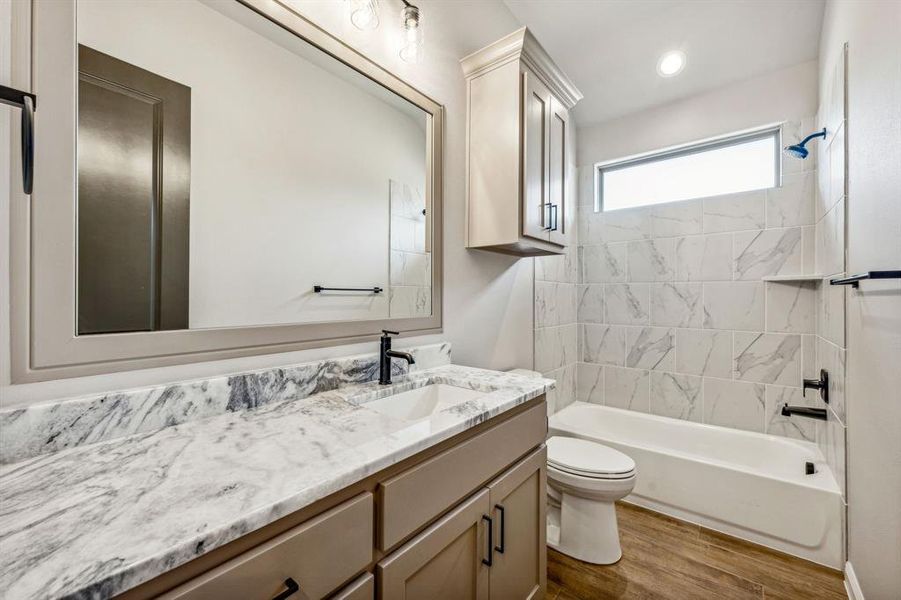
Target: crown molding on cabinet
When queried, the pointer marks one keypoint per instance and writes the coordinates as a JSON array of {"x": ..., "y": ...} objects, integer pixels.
[{"x": 522, "y": 45}]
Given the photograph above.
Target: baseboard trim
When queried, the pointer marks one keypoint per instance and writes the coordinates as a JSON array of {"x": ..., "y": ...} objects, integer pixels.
[{"x": 852, "y": 586}]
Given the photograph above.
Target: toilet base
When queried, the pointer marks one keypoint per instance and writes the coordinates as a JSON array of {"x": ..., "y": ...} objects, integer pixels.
[{"x": 584, "y": 529}]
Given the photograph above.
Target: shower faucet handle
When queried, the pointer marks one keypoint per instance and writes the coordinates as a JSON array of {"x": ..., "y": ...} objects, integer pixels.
[{"x": 821, "y": 384}]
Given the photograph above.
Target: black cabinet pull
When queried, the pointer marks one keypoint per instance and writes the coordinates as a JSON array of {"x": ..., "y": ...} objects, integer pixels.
[
  {"x": 488, "y": 561},
  {"x": 27, "y": 103},
  {"x": 291, "y": 588},
  {"x": 546, "y": 216},
  {"x": 500, "y": 547}
]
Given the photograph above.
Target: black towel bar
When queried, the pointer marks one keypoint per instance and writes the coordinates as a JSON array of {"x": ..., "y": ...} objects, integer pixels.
[
  {"x": 854, "y": 280},
  {"x": 373, "y": 290}
]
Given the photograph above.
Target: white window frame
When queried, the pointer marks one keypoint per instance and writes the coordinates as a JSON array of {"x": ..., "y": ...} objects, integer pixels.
[{"x": 769, "y": 131}]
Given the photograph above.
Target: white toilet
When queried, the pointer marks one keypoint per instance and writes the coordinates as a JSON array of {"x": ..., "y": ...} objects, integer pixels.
[{"x": 584, "y": 480}]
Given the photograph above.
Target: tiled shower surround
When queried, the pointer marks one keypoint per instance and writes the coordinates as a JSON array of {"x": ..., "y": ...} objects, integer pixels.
[
  {"x": 410, "y": 293},
  {"x": 556, "y": 329},
  {"x": 664, "y": 309},
  {"x": 829, "y": 213}
]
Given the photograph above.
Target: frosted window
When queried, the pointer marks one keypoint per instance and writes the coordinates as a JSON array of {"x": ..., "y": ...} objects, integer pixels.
[{"x": 739, "y": 165}]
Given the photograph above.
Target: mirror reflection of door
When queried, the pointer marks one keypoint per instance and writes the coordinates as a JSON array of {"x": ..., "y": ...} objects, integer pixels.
[{"x": 134, "y": 136}]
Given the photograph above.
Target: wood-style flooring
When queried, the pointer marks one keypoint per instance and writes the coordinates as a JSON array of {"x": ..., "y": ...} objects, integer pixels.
[{"x": 667, "y": 558}]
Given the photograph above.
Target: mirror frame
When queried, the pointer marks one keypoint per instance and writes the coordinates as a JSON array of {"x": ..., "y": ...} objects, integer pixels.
[{"x": 43, "y": 226}]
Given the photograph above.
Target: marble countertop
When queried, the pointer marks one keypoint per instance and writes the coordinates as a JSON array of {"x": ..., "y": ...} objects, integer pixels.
[{"x": 95, "y": 520}]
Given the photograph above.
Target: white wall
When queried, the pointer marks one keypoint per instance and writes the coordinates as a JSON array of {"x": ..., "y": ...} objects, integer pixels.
[
  {"x": 781, "y": 95},
  {"x": 487, "y": 297},
  {"x": 290, "y": 162},
  {"x": 873, "y": 314}
]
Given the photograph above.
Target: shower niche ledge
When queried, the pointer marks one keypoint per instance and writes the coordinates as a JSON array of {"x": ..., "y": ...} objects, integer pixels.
[{"x": 793, "y": 278}]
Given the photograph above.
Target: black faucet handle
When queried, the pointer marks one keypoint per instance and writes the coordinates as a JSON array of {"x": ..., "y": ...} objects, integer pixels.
[
  {"x": 386, "y": 332},
  {"x": 821, "y": 384}
]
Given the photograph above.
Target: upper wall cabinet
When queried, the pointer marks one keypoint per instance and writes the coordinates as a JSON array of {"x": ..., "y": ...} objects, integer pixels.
[{"x": 521, "y": 149}]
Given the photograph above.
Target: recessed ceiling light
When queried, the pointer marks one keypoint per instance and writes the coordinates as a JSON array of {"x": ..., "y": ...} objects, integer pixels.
[{"x": 671, "y": 63}]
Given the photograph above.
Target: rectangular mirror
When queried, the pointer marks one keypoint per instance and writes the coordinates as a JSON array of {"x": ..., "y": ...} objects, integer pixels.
[
  {"x": 238, "y": 174},
  {"x": 227, "y": 167}
]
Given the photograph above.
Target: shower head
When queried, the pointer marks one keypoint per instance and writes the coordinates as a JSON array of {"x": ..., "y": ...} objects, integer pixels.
[
  {"x": 799, "y": 150},
  {"x": 796, "y": 151}
]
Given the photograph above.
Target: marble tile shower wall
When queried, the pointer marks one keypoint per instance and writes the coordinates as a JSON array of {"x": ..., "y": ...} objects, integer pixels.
[
  {"x": 410, "y": 271},
  {"x": 674, "y": 317},
  {"x": 556, "y": 330},
  {"x": 831, "y": 198}
]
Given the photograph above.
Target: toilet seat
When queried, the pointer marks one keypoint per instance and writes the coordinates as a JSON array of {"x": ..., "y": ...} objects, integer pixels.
[{"x": 584, "y": 458}]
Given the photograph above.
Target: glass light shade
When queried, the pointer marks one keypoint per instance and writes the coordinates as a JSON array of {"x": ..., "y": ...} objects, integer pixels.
[
  {"x": 411, "y": 45},
  {"x": 364, "y": 14}
]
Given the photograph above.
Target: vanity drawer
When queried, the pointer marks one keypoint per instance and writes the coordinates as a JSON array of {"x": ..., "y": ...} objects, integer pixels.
[
  {"x": 413, "y": 498},
  {"x": 363, "y": 588},
  {"x": 319, "y": 555}
]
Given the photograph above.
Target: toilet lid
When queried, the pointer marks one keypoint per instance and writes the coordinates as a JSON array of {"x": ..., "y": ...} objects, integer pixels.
[{"x": 582, "y": 457}]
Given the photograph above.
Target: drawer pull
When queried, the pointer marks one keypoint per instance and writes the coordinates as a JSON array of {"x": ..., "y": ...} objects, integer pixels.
[
  {"x": 500, "y": 547},
  {"x": 292, "y": 588},
  {"x": 488, "y": 561}
]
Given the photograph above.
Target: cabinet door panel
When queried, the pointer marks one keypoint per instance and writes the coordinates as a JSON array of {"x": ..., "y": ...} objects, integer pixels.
[
  {"x": 518, "y": 499},
  {"x": 558, "y": 156},
  {"x": 444, "y": 561},
  {"x": 536, "y": 119}
]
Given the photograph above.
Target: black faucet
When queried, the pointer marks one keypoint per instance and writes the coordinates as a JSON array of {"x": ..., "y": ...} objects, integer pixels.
[
  {"x": 803, "y": 411},
  {"x": 821, "y": 384},
  {"x": 386, "y": 354}
]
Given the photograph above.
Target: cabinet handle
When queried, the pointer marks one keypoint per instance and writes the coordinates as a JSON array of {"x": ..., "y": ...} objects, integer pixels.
[
  {"x": 553, "y": 227},
  {"x": 488, "y": 561},
  {"x": 547, "y": 213},
  {"x": 500, "y": 547},
  {"x": 27, "y": 103},
  {"x": 291, "y": 588}
]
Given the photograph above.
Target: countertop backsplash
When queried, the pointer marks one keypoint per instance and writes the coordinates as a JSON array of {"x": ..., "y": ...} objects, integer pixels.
[{"x": 49, "y": 427}]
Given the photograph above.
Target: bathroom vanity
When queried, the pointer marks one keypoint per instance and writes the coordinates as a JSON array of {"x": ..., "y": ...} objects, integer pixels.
[{"x": 433, "y": 487}]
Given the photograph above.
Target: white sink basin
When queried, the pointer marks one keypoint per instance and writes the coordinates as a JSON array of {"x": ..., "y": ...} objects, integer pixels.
[{"x": 422, "y": 402}]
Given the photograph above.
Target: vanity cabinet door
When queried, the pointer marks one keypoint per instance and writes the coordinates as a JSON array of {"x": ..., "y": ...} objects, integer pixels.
[
  {"x": 518, "y": 499},
  {"x": 535, "y": 123},
  {"x": 558, "y": 185},
  {"x": 447, "y": 561}
]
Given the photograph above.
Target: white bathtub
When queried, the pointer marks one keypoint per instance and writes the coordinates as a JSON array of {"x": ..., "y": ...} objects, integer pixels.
[{"x": 745, "y": 484}]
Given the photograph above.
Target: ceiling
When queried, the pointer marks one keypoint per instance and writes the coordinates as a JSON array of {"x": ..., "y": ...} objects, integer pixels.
[{"x": 610, "y": 48}]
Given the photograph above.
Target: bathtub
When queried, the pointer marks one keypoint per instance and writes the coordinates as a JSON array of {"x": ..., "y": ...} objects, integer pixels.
[{"x": 749, "y": 485}]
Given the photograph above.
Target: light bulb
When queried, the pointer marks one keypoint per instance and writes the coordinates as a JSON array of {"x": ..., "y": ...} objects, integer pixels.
[
  {"x": 364, "y": 14},
  {"x": 411, "y": 45},
  {"x": 671, "y": 63}
]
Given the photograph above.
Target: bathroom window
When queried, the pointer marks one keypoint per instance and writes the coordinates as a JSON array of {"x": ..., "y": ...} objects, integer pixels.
[{"x": 740, "y": 163}]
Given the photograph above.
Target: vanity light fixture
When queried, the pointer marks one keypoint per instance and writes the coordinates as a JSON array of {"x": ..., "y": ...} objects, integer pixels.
[
  {"x": 411, "y": 22},
  {"x": 364, "y": 14},
  {"x": 671, "y": 63}
]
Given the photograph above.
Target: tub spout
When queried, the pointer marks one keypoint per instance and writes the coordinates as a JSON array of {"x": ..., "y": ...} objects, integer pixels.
[{"x": 803, "y": 411}]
